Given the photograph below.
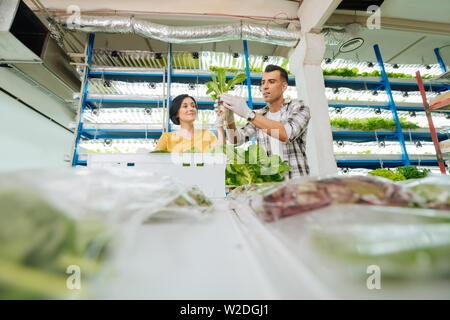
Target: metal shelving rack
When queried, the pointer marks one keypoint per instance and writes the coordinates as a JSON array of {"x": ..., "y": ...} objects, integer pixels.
[
  {"x": 110, "y": 73},
  {"x": 97, "y": 101},
  {"x": 400, "y": 135},
  {"x": 168, "y": 76}
]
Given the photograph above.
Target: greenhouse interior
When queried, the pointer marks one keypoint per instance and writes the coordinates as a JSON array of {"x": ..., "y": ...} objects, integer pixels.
[{"x": 225, "y": 150}]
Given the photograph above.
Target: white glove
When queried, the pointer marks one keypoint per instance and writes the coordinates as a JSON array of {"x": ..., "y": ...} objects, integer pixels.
[
  {"x": 229, "y": 116},
  {"x": 236, "y": 104},
  {"x": 227, "y": 113}
]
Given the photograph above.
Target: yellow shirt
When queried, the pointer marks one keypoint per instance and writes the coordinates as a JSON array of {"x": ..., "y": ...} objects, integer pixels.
[{"x": 202, "y": 140}]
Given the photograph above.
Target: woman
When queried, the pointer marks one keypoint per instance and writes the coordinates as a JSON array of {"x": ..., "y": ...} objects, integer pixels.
[{"x": 183, "y": 112}]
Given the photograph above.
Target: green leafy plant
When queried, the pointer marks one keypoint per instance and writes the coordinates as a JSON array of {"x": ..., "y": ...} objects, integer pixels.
[
  {"x": 193, "y": 150},
  {"x": 354, "y": 72},
  {"x": 251, "y": 68},
  {"x": 219, "y": 85},
  {"x": 342, "y": 72},
  {"x": 412, "y": 172},
  {"x": 370, "y": 124},
  {"x": 159, "y": 151},
  {"x": 388, "y": 174},
  {"x": 401, "y": 173},
  {"x": 251, "y": 165},
  {"x": 39, "y": 242}
]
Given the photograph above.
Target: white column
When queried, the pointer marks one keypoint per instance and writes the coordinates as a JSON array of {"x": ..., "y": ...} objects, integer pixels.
[{"x": 305, "y": 63}]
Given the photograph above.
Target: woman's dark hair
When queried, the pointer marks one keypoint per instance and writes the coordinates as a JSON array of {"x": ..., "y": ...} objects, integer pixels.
[
  {"x": 283, "y": 72},
  {"x": 175, "y": 106}
]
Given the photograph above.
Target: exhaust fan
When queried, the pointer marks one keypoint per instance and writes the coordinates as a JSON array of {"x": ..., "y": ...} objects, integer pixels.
[
  {"x": 26, "y": 44},
  {"x": 348, "y": 39}
]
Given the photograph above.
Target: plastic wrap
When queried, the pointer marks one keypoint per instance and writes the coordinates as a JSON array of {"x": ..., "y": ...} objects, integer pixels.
[
  {"x": 431, "y": 192},
  {"x": 378, "y": 224},
  {"x": 55, "y": 222},
  {"x": 292, "y": 197},
  {"x": 402, "y": 242},
  {"x": 113, "y": 195},
  {"x": 41, "y": 246}
]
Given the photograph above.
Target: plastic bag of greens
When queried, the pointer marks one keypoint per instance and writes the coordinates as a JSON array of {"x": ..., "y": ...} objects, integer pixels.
[
  {"x": 309, "y": 193},
  {"x": 115, "y": 195},
  {"x": 431, "y": 192},
  {"x": 55, "y": 221},
  {"x": 40, "y": 245},
  {"x": 402, "y": 242}
]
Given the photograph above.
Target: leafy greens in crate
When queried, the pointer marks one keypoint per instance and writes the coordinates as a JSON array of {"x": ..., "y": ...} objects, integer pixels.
[{"x": 251, "y": 165}]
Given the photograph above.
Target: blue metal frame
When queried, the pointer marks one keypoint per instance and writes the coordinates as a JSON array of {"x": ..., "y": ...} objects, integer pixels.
[
  {"x": 83, "y": 99},
  {"x": 375, "y": 164},
  {"x": 366, "y": 136},
  {"x": 127, "y": 76},
  {"x": 123, "y": 101},
  {"x": 121, "y": 134},
  {"x": 169, "y": 76},
  {"x": 439, "y": 59},
  {"x": 247, "y": 71},
  {"x": 375, "y": 85},
  {"x": 373, "y": 107},
  {"x": 108, "y": 73},
  {"x": 387, "y": 87},
  {"x": 338, "y": 135}
]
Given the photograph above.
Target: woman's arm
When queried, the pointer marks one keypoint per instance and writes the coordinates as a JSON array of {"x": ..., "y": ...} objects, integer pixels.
[
  {"x": 162, "y": 143},
  {"x": 220, "y": 117},
  {"x": 221, "y": 136}
]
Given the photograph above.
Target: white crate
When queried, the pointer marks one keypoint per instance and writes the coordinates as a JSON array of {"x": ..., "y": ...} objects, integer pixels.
[{"x": 205, "y": 170}]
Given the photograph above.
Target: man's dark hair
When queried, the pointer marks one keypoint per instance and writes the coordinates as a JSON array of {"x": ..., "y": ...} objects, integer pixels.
[
  {"x": 175, "y": 106},
  {"x": 283, "y": 73}
]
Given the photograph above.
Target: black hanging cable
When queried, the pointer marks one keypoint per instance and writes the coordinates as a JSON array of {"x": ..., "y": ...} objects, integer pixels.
[{"x": 34, "y": 109}]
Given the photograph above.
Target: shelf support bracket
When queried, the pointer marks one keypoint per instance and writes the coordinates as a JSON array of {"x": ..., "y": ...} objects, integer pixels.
[
  {"x": 387, "y": 87},
  {"x": 247, "y": 71},
  {"x": 440, "y": 61},
  {"x": 82, "y": 101}
]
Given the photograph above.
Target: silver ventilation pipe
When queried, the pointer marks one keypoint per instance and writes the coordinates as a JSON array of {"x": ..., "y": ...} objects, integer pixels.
[{"x": 185, "y": 34}]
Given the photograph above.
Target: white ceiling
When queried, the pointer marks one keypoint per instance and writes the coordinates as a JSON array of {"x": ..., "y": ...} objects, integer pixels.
[
  {"x": 429, "y": 10},
  {"x": 392, "y": 42},
  {"x": 201, "y": 12}
]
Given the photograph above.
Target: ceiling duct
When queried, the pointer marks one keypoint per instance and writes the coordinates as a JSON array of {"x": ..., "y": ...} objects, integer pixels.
[
  {"x": 185, "y": 34},
  {"x": 26, "y": 44},
  {"x": 347, "y": 38}
]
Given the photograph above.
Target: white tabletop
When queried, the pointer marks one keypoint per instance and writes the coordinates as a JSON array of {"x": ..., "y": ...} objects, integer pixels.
[
  {"x": 234, "y": 255},
  {"x": 206, "y": 259}
]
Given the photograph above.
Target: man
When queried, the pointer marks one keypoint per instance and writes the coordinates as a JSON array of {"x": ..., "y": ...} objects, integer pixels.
[{"x": 279, "y": 127}]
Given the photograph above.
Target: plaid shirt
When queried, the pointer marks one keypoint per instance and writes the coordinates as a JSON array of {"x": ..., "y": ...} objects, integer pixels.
[{"x": 296, "y": 115}]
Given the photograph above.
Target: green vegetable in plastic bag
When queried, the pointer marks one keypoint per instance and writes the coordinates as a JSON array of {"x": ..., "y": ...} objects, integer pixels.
[
  {"x": 32, "y": 231},
  {"x": 37, "y": 244},
  {"x": 403, "y": 242}
]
